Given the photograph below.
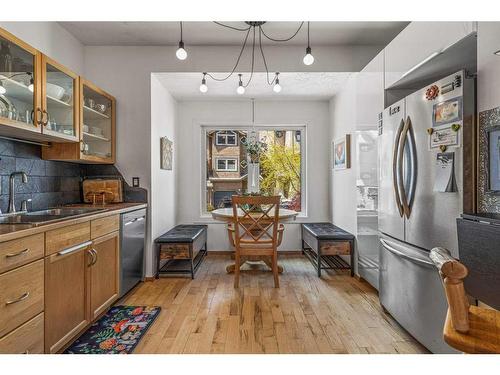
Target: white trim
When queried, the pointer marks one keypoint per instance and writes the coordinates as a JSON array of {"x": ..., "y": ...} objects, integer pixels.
[
  {"x": 213, "y": 126},
  {"x": 226, "y": 158},
  {"x": 226, "y": 135}
]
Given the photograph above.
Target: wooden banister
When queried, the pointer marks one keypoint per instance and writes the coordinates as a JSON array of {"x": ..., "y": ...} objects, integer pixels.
[{"x": 453, "y": 272}]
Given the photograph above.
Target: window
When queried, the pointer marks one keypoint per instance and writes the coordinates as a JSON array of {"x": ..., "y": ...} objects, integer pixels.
[
  {"x": 226, "y": 138},
  {"x": 229, "y": 170},
  {"x": 228, "y": 165}
]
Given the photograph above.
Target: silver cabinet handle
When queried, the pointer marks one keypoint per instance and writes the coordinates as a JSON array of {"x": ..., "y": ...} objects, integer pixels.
[
  {"x": 399, "y": 253},
  {"x": 74, "y": 248},
  {"x": 22, "y": 298},
  {"x": 11, "y": 255}
]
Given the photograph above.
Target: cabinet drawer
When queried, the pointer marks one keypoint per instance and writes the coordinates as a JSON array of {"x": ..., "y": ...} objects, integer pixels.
[
  {"x": 335, "y": 248},
  {"x": 104, "y": 225},
  {"x": 27, "y": 339},
  {"x": 174, "y": 251},
  {"x": 62, "y": 238},
  {"x": 19, "y": 252},
  {"x": 21, "y": 295}
]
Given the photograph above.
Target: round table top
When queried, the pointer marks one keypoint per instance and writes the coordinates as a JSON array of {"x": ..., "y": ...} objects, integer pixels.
[{"x": 226, "y": 214}]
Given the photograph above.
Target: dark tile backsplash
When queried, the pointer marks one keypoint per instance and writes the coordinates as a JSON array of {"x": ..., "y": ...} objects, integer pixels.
[{"x": 50, "y": 183}]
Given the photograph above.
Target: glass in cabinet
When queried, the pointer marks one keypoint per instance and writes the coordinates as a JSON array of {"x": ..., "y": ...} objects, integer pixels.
[
  {"x": 19, "y": 84},
  {"x": 97, "y": 124},
  {"x": 59, "y": 101}
]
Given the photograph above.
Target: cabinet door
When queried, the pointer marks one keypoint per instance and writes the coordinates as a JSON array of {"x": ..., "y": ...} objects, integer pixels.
[
  {"x": 104, "y": 273},
  {"x": 19, "y": 86},
  {"x": 60, "y": 93},
  {"x": 418, "y": 41},
  {"x": 97, "y": 124},
  {"x": 66, "y": 296}
]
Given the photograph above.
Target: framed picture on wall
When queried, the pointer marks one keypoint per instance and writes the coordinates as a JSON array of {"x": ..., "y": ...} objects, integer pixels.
[
  {"x": 494, "y": 159},
  {"x": 166, "y": 150},
  {"x": 342, "y": 153}
]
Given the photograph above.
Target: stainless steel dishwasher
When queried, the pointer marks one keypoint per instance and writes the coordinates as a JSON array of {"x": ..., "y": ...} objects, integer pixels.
[{"x": 133, "y": 234}]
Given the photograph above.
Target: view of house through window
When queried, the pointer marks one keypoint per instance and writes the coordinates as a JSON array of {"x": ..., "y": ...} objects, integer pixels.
[{"x": 230, "y": 169}]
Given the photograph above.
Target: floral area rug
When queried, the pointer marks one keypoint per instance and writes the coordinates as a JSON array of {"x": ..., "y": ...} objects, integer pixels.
[{"x": 117, "y": 332}]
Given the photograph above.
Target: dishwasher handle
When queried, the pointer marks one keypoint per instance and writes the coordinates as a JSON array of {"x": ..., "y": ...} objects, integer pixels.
[
  {"x": 135, "y": 220},
  {"x": 401, "y": 254}
]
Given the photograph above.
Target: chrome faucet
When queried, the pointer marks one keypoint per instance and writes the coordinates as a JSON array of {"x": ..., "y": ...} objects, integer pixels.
[{"x": 12, "y": 207}]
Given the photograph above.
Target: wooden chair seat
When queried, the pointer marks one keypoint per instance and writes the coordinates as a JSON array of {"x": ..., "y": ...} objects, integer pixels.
[{"x": 483, "y": 335}]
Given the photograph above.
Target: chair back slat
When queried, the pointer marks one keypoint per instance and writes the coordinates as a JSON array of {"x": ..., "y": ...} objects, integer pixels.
[
  {"x": 453, "y": 272},
  {"x": 256, "y": 220}
]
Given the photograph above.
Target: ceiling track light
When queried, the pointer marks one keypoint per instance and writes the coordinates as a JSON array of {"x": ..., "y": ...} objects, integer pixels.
[
  {"x": 277, "y": 86},
  {"x": 256, "y": 28},
  {"x": 203, "y": 86},
  {"x": 308, "y": 58},
  {"x": 497, "y": 53},
  {"x": 181, "y": 52},
  {"x": 241, "y": 89}
]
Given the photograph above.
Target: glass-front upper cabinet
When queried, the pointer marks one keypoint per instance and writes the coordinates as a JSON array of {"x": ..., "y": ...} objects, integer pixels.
[
  {"x": 97, "y": 124},
  {"x": 59, "y": 101},
  {"x": 20, "y": 105}
]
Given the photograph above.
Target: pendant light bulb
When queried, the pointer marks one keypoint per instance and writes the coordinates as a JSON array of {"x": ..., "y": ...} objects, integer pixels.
[
  {"x": 240, "y": 90},
  {"x": 203, "y": 86},
  {"x": 277, "y": 86},
  {"x": 181, "y": 52},
  {"x": 3, "y": 90},
  {"x": 308, "y": 58}
]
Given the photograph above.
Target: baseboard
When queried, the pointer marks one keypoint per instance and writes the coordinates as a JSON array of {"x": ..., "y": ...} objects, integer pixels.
[{"x": 149, "y": 278}]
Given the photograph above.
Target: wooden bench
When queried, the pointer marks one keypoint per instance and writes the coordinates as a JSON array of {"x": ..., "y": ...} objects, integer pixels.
[
  {"x": 324, "y": 243},
  {"x": 182, "y": 248}
]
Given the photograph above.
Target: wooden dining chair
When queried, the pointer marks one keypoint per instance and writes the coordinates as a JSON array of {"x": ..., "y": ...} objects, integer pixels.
[
  {"x": 256, "y": 225},
  {"x": 470, "y": 329}
]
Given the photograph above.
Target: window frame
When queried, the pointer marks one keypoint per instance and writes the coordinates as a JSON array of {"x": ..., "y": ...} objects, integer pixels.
[
  {"x": 226, "y": 137},
  {"x": 248, "y": 127},
  {"x": 226, "y": 158}
]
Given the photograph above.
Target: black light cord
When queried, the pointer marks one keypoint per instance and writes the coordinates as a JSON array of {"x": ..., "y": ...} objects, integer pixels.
[
  {"x": 264, "y": 59},
  {"x": 253, "y": 60},
  {"x": 232, "y": 27},
  {"x": 308, "y": 44},
  {"x": 237, "y": 61},
  {"x": 285, "y": 39},
  {"x": 181, "y": 30}
]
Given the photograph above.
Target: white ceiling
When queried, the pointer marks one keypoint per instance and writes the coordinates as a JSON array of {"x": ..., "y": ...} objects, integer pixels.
[
  {"x": 296, "y": 86},
  {"x": 208, "y": 33}
]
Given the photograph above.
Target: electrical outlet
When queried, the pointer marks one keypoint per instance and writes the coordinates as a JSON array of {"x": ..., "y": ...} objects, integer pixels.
[{"x": 135, "y": 181}]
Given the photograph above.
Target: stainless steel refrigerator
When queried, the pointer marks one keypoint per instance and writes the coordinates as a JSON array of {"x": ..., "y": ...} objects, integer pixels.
[{"x": 425, "y": 155}]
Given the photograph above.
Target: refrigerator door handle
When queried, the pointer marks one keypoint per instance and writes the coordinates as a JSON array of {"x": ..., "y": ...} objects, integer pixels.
[
  {"x": 397, "y": 170},
  {"x": 413, "y": 164},
  {"x": 407, "y": 139},
  {"x": 401, "y": 254}
]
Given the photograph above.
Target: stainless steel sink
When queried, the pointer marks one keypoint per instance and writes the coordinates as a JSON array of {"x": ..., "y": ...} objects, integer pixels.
[{"x": 46, "y": 216}]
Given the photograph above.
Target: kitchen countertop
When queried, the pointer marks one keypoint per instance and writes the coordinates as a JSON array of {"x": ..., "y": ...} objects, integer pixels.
[{"x": 11, "y": 232}]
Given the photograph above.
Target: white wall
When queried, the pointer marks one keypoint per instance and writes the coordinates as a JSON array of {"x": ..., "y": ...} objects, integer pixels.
[
  {"x": 51, "y": 39},
  {"x": 343, "y": 182},
  {"x": 488, "y": 66},
  {"x": 162, "y": 196},
  {"x": 313, "y": 114}
]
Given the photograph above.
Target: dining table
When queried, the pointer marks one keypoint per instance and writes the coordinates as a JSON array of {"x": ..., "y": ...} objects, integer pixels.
[{"x": 226, "y": 215}]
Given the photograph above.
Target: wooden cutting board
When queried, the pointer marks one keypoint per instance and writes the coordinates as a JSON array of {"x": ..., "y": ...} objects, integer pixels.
[{"x": 111, "y": 190}]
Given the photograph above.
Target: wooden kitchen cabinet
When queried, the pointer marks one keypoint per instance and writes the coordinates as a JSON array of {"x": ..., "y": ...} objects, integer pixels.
[
  {"x": 20, "y": 88},
  {"x": 67, "y": 297},
  {"x": 104, "y": 273},
  {"x": 38, "y": 96},
  {"x": 97, "y": 134}
]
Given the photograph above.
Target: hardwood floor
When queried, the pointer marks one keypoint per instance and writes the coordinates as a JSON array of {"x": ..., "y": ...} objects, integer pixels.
[{"x": 334, "y": 314}]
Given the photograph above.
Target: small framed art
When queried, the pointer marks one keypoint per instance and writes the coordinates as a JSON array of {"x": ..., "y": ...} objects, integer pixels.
[{"x": 342, "y": 153}]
